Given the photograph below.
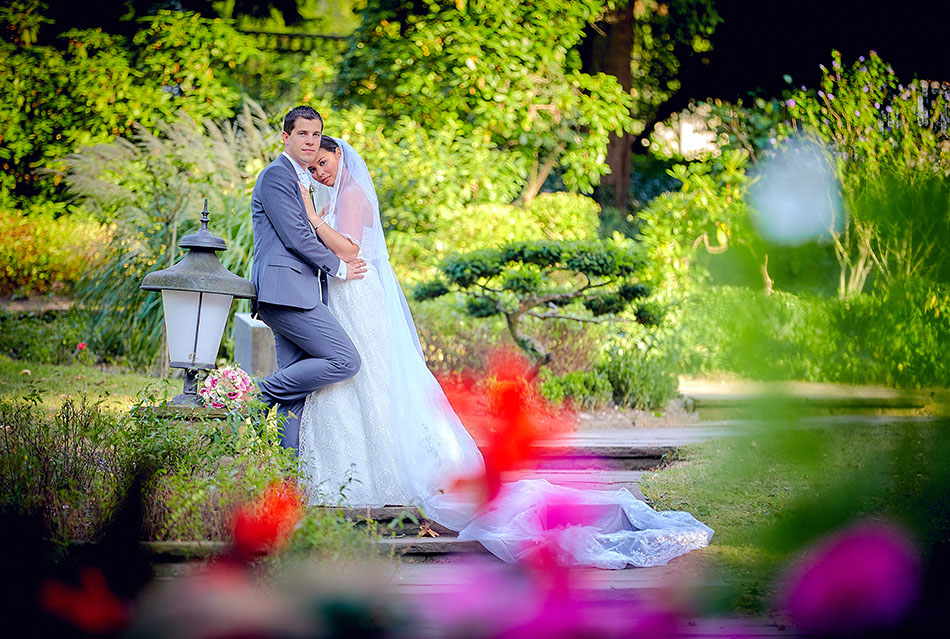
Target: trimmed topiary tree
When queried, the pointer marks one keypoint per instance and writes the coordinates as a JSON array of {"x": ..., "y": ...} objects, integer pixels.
[{"x": 582, "y": 281}]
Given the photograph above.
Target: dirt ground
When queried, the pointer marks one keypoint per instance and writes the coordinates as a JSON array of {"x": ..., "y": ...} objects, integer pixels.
[
  {"x": 35, "y": 304},
  {"x": 677, "y": 413}
]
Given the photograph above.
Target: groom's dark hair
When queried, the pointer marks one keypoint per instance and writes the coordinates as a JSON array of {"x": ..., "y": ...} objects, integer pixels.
[{"x": 305, "y": 112}]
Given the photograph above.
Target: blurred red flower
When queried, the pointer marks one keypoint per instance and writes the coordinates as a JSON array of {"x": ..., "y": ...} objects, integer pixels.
[
  {"x": 863, "y": 578},
  {"x": 266, "y": 525},
  {"x": 81, "y": 346},
  {"x": 506, "y": 414},
  {"x": 92, "y": 607}
]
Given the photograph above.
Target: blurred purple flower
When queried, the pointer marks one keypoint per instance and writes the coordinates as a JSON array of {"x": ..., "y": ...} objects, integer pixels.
[
  {"x": 821, "y": 94},
  {"x": 822, "y": 67},
  {"x": 862, "y": 578},
  {"x": 877, "y": 105},
  {"x": 831, "y": 96},
  {"x": 791, "y": 102},
  {"x": 861, "y": 58},
  {"x": 865, "y": 88},
  {"x": 772, "y": 140},
  {"x": 835, "y": 64},
  {"x": 857, "y": 113},
  {"x": 889, "y": 109}
]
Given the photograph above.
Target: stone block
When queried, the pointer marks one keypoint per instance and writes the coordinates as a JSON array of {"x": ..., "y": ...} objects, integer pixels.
[{"x": 254, "y": 345}]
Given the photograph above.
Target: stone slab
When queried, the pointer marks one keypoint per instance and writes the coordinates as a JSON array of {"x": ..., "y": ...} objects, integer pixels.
[
  {"x": 428, "y": 546},
  {"x": 254, "y": 349},
  {"x": 184, "y": 550},
  {"x": 633, "y": 442}
]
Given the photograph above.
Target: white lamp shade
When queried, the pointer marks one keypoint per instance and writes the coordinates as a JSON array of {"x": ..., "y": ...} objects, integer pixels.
[{"x": 194, "y": 325}]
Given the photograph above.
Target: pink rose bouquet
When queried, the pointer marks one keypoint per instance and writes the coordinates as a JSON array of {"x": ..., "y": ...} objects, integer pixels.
[{"x": 228, "y": 387}]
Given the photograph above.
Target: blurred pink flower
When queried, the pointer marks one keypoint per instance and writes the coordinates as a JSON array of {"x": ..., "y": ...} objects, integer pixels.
[
  {"x": 862, "y": 578},
  {"x": 551, "y": 604},
  {"x": 81, "y": 346}
]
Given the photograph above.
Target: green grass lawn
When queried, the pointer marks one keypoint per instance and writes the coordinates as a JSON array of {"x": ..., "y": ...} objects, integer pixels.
[
  {"x": 770, "y": 493},
  {"x": 116, "y": 388}
]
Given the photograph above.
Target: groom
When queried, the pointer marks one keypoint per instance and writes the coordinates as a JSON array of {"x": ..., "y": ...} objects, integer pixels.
[{"x": 290, "y": 270}]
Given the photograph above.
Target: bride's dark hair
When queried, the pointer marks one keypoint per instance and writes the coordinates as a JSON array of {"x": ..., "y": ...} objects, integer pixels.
[{"x": 328, "y": 144}]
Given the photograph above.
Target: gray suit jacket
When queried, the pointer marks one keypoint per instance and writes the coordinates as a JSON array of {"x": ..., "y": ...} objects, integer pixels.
[{"x": 287, "y": 254}]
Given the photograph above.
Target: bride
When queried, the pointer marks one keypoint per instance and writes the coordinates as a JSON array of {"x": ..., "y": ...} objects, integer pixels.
[{"x": 388, "y": 436}]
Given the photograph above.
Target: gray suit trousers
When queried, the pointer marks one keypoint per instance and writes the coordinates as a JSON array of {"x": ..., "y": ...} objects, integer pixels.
[{"x": 313, "y": 351}]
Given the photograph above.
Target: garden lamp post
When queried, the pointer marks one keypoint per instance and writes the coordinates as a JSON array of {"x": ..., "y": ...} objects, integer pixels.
[{"x": 196, "y": 298}]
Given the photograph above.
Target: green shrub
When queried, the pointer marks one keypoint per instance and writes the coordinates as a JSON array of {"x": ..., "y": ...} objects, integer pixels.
[
  {"x": 452, "y": 340},
  {"x": 49, "y": 337},
  {"x": 583, "y": 389},
  {"x": 203, "y": 468},
  {"x": 642, "y": 376},
  {"x": 896, "y": 337},
  {"x": 544, "y": 280},
  {"x": 69, "y": 468},
  {"x": 40, "y": 253},
  {"x": 73, "y": 468},
  {"x": 888, "y": 145},
  {"x": 550, "y": 216}
]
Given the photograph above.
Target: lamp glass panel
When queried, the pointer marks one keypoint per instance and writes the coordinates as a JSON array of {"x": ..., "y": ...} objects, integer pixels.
[
  {"x": 181, "y": 323},
  {"x": 214, "y": 317}
]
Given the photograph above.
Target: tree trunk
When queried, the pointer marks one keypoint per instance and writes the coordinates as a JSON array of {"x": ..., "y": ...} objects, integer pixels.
[
  {"x": 532, "y": 347},
  {"x": 609, "y": 49},
  {"x": 536, "y": 180}
]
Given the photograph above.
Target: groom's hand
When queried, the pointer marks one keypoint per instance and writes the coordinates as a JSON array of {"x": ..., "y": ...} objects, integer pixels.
[{"x": 355, "y": 269}]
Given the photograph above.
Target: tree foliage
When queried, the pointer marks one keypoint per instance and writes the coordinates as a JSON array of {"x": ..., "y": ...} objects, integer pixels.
[
  {"x": 93, "y": 86},
  {"x": 890, "y": 149},
  {"x": 708, "y": 214},
  {"x": 582, "y": 281},
  {"x": 505, "y": 71}
]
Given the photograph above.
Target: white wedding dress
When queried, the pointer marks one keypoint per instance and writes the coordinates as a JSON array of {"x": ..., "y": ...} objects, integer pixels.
[{"x": 388, "y": 436}]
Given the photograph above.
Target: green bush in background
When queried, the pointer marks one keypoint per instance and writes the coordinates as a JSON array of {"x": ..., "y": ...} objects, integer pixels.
[
  {"x": 48, "y": 337},
  {"x": 896, "y": 337},
  {"x": 42, "y": 254},
  {"x": 578, "y": 281},
  {"x": 550, "y": 216},
  {"x": 642, "y": 365},
  {"x": 584, "y": 389}
]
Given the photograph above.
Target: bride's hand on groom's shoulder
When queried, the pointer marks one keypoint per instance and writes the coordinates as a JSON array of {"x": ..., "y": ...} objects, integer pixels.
[{"x": 355, "y": 269}]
